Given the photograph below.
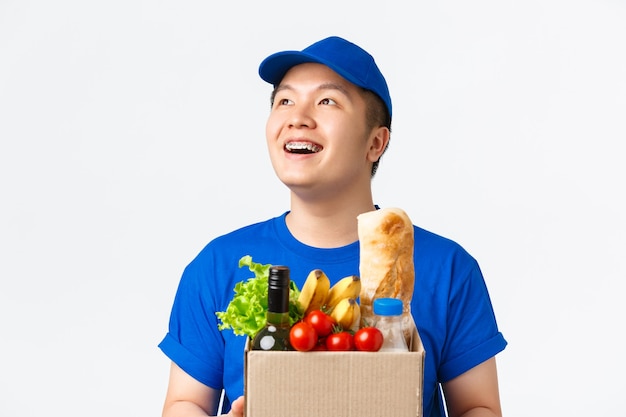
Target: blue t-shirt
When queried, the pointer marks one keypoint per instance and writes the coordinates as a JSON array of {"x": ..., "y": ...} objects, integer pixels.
[{"x": 451, "y": 306}]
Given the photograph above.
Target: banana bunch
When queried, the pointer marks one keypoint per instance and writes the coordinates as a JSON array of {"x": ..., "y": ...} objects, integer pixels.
[
  {"x": 347, "y": 313},
  {"x": 314, "y": 292},
  {"x": 340, "y": 300}
]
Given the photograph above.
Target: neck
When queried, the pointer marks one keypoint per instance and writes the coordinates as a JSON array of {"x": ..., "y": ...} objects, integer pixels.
[{"x": 327, "y": 224}]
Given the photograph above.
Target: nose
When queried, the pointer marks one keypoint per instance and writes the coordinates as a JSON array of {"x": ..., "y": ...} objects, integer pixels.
[{"x": 301, "y": 117}]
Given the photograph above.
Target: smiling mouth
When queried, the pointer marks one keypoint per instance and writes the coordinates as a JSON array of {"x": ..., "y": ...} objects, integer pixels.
[{"x": 302, "y": 147}]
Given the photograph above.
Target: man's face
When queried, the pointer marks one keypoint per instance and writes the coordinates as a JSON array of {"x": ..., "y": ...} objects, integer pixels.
[{"x": 316, "y": 133}]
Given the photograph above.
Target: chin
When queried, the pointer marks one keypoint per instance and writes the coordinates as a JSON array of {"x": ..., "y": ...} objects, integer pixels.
[{"x": 295, "y": 183}]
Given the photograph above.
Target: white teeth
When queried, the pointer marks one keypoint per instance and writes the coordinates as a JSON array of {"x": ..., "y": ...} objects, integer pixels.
[{"x": 302, "y": 147}]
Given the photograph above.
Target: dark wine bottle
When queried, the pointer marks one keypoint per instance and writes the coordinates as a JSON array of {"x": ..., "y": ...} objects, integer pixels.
[{"x": 275, "y": 334}]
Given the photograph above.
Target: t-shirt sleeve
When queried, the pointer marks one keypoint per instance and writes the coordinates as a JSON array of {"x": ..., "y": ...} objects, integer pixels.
[
  {"x": 193, "y": 340},
  {"x": 473, "y": 335}
]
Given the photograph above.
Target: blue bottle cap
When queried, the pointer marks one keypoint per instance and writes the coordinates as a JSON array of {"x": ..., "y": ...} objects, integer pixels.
[{"x": 388, "y": 306}]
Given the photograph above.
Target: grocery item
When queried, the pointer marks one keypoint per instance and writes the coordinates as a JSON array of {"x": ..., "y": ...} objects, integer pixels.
[
  {"x": 314, "y": 292},
  {"x": 246, "y": 312},
  {"x": 275, "y": 334},
  {"x": 386, "y": 261},
  {"x": 388, "y": 319},
  {"x": 347, "y": 314},
  {"x": 347, "y": 287}
]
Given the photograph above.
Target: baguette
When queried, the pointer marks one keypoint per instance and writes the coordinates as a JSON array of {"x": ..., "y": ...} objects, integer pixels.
[{"x": 386, "y": 261}]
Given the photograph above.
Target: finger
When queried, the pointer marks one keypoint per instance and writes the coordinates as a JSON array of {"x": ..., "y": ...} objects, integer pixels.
[{"x": 236, "y": 408}]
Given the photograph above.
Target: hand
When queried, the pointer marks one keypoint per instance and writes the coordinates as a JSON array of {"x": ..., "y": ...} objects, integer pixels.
[{"x": 236, "y": 408}]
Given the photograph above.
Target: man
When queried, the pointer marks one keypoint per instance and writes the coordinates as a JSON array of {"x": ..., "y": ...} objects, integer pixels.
[{"x": 328, "y": 127}]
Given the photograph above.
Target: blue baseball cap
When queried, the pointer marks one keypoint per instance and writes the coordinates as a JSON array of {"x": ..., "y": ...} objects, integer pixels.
[{"x": 345, "y": 58}]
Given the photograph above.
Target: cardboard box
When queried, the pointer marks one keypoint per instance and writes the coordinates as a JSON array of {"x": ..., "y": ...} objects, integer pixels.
[{"x": 335, "y": 384}]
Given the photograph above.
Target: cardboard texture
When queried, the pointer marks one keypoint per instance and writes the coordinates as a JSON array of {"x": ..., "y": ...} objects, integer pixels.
[{"x": 337, "y": 384}]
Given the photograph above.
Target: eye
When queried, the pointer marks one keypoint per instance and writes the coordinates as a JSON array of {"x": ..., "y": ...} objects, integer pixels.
[
  {"x": 329, "y": 101},
  {"x": 284, "y": 102}
]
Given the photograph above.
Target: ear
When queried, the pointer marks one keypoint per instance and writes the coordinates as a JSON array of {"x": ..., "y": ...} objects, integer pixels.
[{"x": 379, "y": 139}]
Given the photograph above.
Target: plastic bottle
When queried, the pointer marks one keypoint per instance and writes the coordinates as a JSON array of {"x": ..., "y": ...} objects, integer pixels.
[
  {"x": 388, "y": 312},
  {"x": 275, "y": 334}
]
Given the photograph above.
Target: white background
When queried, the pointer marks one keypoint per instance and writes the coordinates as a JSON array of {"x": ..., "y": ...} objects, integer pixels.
[{"x": 132, "y": 132}]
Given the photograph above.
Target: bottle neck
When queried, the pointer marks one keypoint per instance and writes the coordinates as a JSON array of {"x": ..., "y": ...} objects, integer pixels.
[
  {"x": 278, "y": 299},
  {"x": 278, "y": 296}
]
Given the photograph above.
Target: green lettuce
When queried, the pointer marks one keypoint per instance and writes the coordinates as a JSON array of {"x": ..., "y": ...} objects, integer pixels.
[{"x": 246, "y": 313}]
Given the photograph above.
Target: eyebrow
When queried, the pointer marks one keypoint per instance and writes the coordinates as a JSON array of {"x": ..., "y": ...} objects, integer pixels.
[{"x": 324, "y": 86}]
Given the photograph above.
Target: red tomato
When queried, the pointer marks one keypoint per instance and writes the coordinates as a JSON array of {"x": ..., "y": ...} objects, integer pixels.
[
  {"x": 321, "y": 322},
  {"x": 340, "y": 341},
  {"x": 320, "y": 345},
  {"x": 302, "y": 336},
  {"x": 368, "y": 339}
]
